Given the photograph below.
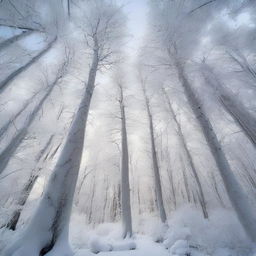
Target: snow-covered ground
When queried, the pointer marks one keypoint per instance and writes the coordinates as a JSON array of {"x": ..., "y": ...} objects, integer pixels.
[{"x": 188, "y": 234}]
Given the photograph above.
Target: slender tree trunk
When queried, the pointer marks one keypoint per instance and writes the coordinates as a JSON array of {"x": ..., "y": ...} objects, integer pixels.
[
  {"x": 91, "y": 201},
  {"x": 235, "y": 192},
  {"x": 187, "y": 153},
  {"x": 8, "y": 79},
  {"x": 157, "y": 179},
  {"x": 170, "y": 177},
  {"x": 215, "y": 185},
  {"x": 125, "y": 183},
  {"x": 69, "y": 11},
  {"x": 48, "y": 229},
  {"x": 185, "y": 178}
]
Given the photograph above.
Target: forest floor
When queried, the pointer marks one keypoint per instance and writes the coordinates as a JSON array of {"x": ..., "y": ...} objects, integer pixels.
[{"x": 145, "y": 246}]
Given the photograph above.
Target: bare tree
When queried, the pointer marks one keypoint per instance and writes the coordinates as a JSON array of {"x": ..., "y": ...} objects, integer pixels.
[
  {"x": 178, "y": 36},
  {"x": 49, "y": 227},
  {"x": 125, "y": 184},
  {"x": 157, "y": 179}
]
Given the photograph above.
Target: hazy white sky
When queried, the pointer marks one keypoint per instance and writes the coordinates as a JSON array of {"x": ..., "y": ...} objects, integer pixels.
[{"x": 136, "y": 11}]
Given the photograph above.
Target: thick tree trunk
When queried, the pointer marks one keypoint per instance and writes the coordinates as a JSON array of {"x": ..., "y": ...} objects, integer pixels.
[
  {"x": 8, "y": 79},
  {"x": 187, "y": 153},
  {"x": 48, "y": 230},
  {"x": 157, "y": 179},
  {"x": 235, "y": 192},
  {"x": 125, "y": 183}
]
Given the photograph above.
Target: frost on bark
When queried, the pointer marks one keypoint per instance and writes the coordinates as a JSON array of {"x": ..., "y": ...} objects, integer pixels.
[
  {"x": 125, "y": 183},
  {"x": 157, "y": 179},
  {"x": 234, "y": 190},
  {"x": 187, "y": 153}
]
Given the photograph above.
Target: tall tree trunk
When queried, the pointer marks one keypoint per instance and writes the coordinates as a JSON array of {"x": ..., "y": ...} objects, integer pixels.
[
  {"x": 157, "y": 179},
  {"x": 125, "y": 183},
  {"x": 185, "y": 178},
  {"x": 170, "y": 177},
  {"x": 235, "y": 192},
  {"x": 48, "y": 230},
  {"x": 187, "y": 153},
  {"x": 69, "y": 11}
]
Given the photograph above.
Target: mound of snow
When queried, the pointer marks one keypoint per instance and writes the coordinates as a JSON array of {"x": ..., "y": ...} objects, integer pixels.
[
  {"x": 182, "y": 233},
  {"x": 99, "y": 244},
  {"x": 124, "y": 245},
  {"x": 180, "y": 248}
]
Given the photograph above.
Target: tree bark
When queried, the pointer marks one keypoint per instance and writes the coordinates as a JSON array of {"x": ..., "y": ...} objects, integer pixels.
[
  {"x": 157, "y": 179},
  {"x": 125, "y": 183}
]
